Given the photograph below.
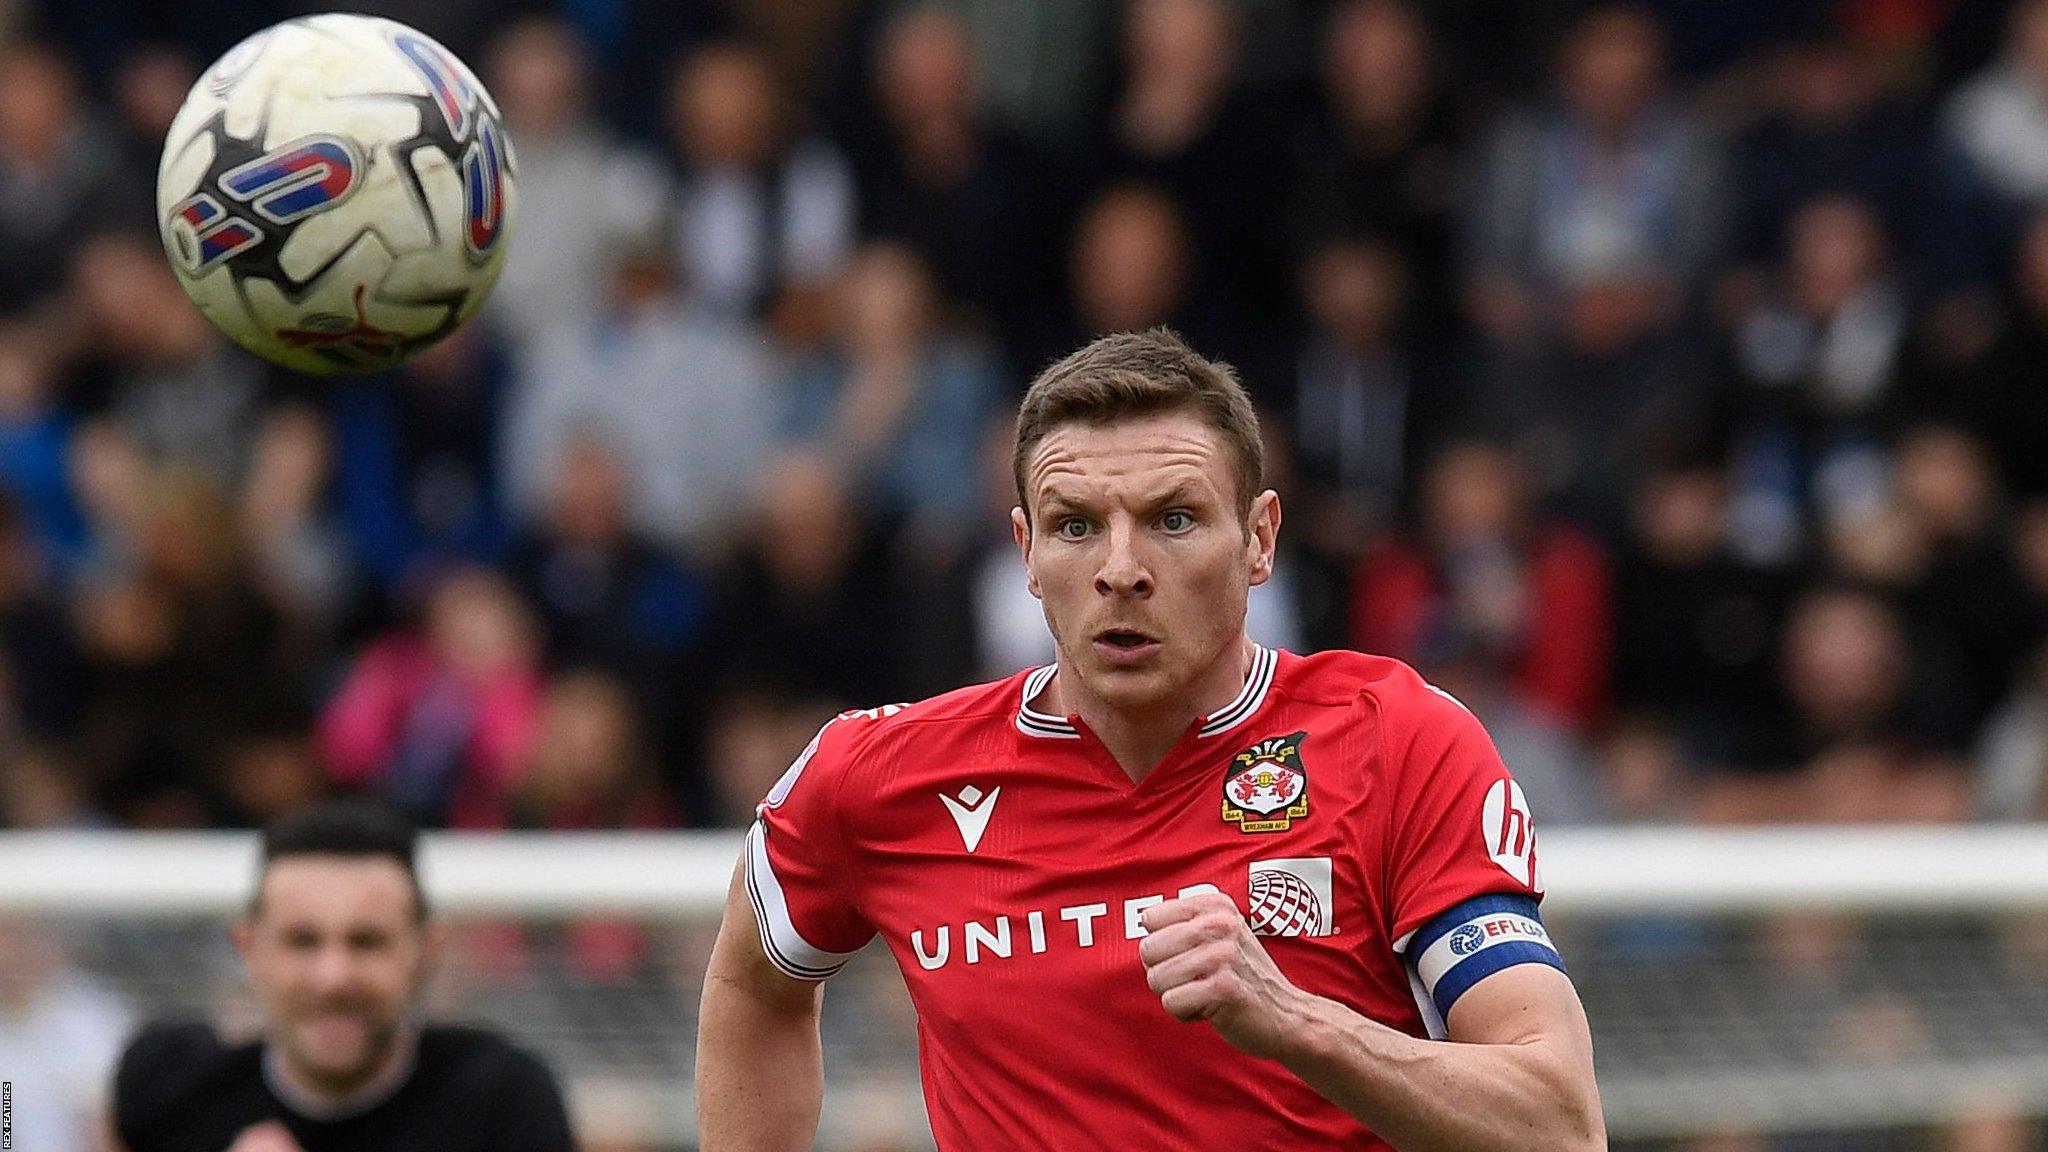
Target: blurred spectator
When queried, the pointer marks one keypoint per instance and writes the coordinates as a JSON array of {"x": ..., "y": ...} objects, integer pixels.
[
  {"x": 1595, "y": 218},
  {"x": 591, "y": 765},
  {"x": 635, "y": 45},
  {"x": 808, "y": 608},
  {"x": 1645, "y": 775},
  {"x": 684, "y": 400},
  {"x": 1365, "y": 404},
  {"x": 1486, "y": 578},
  {"x": 1861, "y": 732},
  {"x": 301, "y": 559},
  {"x": 975, "y": 203},
  {"x": 1695, "y": 626},
  {"x": 1846, "y": 668},
  {"x": 581, "y": 194},
  {"x": 110, "y": 481},
  {"x": 417, "y": 469},
  {"x": 1131, "y": 262},
  {"x": 39, "y": 663},
  {"x": 35, "y": 443},
  {"x": 42, "y": 790},
  {"x": 609, "y": 599},
  {"x": 1546, "y": 746},
  {"x": 58, "y": 174},
  {"x": 755, "y": 736},
  {"x": 148, "y": 88},
  {"x": 60, "y": 1034},
  {"x": 765, "y": 212},
  {"x": 177, "y": 388},
  {"x": 1183, "y": 125},
  {"x": 898, "y": 401},
  {"x": 1044, "y": 64},
  {"x": 443, "y": 720},
  {"x": 1991, "y": 1130},
  {"x": 267, "y": 775},
  {"x": 1828, "y": 129},
  {"x": 1552, "y": 763},
  {"x": 2000, "y": 397},
  {"x": 1612, "y": 185},
  {"x": 1382, "y": 159},
  {"x": 2010, "y": 761},
  {"x": 1996, "y": 123},
  {"x": 184, "y": 656},
  {"x": 1819, "y": 359},
  {"x": 1958, "y": 577},
  {"x": 1131, "y": 267}
]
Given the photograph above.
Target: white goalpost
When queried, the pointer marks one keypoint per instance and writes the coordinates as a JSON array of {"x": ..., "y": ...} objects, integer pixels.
[{"x": 1738, "y": 980}]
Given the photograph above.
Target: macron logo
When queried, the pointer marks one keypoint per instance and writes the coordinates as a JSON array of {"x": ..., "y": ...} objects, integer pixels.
[{"x": 971, "y": 812}]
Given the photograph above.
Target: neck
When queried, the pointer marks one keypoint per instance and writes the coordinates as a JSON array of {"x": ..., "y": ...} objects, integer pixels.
[
  {"x": 307, "y": 1097},
  {"x": 1138, "y": 739}
]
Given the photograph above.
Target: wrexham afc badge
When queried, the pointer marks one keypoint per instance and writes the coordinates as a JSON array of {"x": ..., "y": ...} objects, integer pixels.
[{"x": 1267, "y": 788}]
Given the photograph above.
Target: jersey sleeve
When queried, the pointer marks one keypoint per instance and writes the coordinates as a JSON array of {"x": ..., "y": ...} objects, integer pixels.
[
  {"x": 797, "y": 870},
  {"x": 1464, "y": 877}
]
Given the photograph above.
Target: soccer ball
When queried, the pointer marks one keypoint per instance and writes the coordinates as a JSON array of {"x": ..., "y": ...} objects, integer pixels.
[{"x": 336, "y": 193}]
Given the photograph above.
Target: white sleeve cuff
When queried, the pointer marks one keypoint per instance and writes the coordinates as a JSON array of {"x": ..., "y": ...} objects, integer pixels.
[{"x": 786, "y": 947}]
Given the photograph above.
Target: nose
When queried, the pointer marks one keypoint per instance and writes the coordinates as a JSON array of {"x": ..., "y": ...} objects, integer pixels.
[
  {"x": 332, "y": 971},
  {"x": 1123, "y": 571}
]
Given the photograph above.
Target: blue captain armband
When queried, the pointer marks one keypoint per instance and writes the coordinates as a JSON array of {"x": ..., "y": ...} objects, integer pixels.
[{"x": 1474, "y": 940}]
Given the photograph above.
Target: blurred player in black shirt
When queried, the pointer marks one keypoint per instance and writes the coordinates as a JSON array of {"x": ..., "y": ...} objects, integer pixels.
[{"x": 337, "y": 946}]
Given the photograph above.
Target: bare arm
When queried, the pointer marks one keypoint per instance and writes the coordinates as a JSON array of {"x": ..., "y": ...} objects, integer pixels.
[
  {"x": 760, "y": 1072},
  {"x": 1518, "y": 1075}
]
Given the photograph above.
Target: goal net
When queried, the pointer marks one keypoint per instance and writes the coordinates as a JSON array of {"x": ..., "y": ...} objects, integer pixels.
[{"x": 1750, "y": 991}]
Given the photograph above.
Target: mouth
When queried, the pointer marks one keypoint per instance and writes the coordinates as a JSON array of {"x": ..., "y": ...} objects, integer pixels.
[
  {"x": 336, "y": 1025},
  {"x": 1125, "y": 646}
]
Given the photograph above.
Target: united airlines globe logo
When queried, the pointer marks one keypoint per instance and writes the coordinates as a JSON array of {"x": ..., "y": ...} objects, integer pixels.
[{"x": 1283, "y": 904}]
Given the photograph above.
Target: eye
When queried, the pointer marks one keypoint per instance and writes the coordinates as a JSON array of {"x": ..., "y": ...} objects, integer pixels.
[
  {"x": 1177, "y": 521},
  {"x": 1072, "y": 528},
  {"x": 369, "y": 941}
]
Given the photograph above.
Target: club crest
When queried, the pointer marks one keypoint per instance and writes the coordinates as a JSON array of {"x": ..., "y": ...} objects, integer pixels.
[{"x": 1267, "y": 786}]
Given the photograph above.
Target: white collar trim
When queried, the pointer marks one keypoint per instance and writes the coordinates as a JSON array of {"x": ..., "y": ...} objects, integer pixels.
[{"x": 1032, "y": 722}]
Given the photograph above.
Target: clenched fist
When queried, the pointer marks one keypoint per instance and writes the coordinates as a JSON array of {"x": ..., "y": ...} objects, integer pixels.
[{"x": 1205, "y": 964}]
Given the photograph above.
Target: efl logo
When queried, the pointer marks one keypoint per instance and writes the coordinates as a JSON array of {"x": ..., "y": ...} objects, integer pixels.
[
  {"x": 1478, "y": 934},
  {"x": 1291, "y": 897},
  {"x": 1510, "y": 833}
]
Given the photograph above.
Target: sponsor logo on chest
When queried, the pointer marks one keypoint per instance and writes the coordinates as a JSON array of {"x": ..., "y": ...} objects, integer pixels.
[{"x": 1287, "y": 897}]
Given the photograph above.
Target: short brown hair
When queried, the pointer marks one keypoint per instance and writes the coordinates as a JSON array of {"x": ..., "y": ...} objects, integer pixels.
[{"x": 1130, "y": 374}]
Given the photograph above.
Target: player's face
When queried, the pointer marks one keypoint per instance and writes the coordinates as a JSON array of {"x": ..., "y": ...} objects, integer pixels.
[
  {"x": 1136, "y": 548},
  {"x": 335, "y": 951}
]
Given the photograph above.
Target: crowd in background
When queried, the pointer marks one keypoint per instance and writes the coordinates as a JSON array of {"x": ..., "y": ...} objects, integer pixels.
[
  {"x": 1663, "y": 379},
  {"x": 1669, "y": 381}
]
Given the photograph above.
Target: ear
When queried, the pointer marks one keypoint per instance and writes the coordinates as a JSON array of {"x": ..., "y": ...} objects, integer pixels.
[
  {"x": 243, "y": 934},
  {"x": 1020, "y": 527},
  {"x": 1262, "y": 537}
]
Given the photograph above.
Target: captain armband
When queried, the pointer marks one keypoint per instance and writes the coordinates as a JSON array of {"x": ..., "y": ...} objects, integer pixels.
[{"x": 1473, "y": 940}]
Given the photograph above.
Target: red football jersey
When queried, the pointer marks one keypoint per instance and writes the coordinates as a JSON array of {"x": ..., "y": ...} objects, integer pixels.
[{"x": 1005, "y": 858}]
